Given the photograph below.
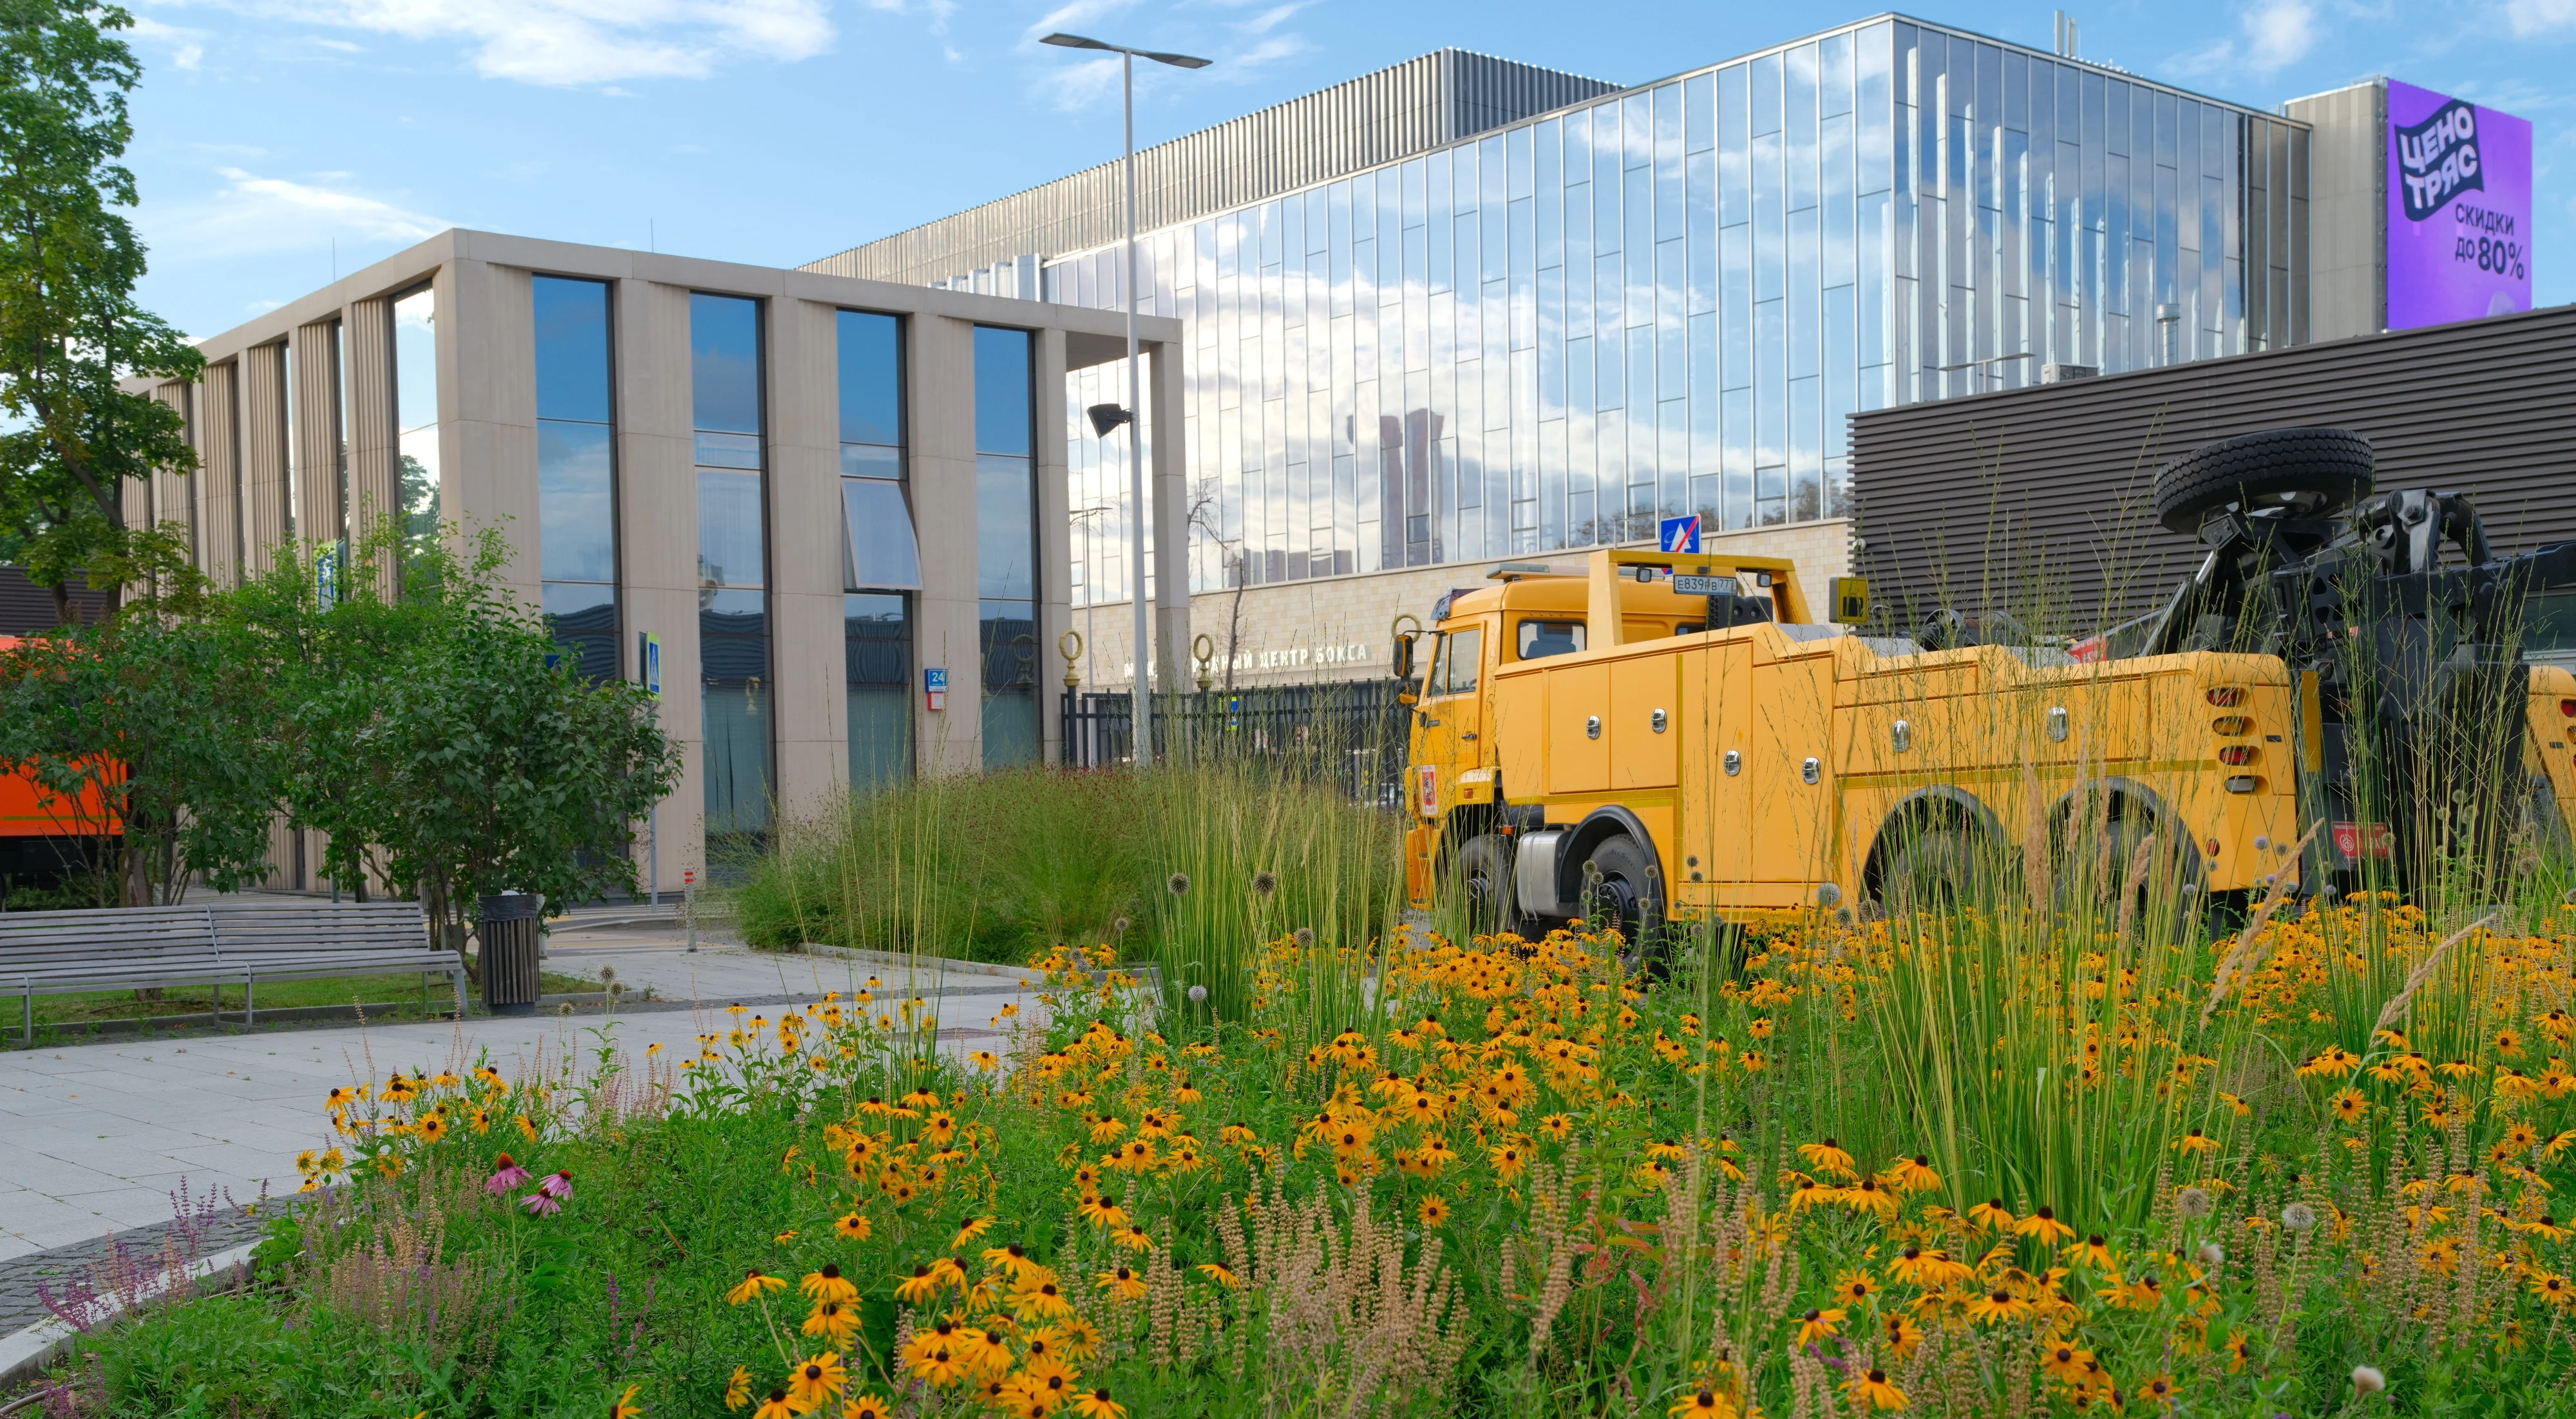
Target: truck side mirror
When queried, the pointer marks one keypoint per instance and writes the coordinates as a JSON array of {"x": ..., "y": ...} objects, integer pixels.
[
  {"x": 1404, "y": 656},
  {"x": 1851, "y": 600}
]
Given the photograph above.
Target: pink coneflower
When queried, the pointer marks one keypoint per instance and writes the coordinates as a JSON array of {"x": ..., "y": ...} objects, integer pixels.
[
  {"x": 506, "y": 1174},
  {"x": 541, "y": 1204},
  {"x": 558, "y": 1187}
]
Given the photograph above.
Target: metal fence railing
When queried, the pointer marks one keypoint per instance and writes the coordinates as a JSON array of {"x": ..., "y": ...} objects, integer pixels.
[{"x": 1351, "y": 732}]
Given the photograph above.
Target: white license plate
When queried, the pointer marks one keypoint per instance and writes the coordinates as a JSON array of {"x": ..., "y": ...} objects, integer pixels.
[{"x": 1703, "y": 585}]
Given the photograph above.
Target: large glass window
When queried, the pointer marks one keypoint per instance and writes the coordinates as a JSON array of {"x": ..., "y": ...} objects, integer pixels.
[
  {"x": 877, "y": 639},
  {"x": 576, "y": 470},
  {"x": 880, "y": 558},
  {"x": 1006, "y": 545},
  {"x": 416, "y": 430},
  {"x": 733, "y": 608}
]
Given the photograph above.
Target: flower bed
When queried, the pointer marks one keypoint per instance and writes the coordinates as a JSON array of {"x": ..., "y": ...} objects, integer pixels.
[{"x": 1847, "y": 1170}]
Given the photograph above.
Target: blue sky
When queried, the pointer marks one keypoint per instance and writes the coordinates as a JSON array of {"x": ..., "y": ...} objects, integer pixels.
[{"x": 279, "y": 139}]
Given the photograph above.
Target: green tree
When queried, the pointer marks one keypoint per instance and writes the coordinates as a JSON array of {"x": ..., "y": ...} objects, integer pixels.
[
  {"x": 434, "y": 743},
  {"x": 70, "y": 329},
  {"x": 152, "y": 732}
]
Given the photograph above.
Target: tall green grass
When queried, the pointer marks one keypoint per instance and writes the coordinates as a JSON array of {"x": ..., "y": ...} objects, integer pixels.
[{"x": 998, "y": 867}]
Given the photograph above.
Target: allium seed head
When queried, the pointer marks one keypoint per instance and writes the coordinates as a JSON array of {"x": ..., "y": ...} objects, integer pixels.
[
  {"x": 1265, "y": 882},
  {"x": 1178, "y": 884},
  {"x": 2299, "y": 1217},
  {"x": 2192, "y": 1202},
  {"x": 2366, "y": 1380}
]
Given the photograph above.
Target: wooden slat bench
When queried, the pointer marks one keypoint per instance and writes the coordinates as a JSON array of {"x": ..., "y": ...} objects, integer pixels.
[{"x": 245, "y": 939}]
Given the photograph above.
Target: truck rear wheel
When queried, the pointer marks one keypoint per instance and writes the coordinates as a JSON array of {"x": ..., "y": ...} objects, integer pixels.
[
  {"x": 1481, "y": 886},
  {"x": 2312, "y": 471}
]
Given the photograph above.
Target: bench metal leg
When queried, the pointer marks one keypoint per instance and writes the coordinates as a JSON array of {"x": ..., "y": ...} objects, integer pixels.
[
  {"x": 28, "y": 1014},
  {"x": 250, "y": 1001}
]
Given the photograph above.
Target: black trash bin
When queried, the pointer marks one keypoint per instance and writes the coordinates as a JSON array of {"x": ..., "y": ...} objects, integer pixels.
[{"x": 508, "y": 931}]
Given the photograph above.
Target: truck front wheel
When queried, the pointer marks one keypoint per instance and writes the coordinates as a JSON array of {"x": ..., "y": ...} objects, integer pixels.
[
  {"x": 1481, "y": 887},
  {"x": 1939, "y": 868}
]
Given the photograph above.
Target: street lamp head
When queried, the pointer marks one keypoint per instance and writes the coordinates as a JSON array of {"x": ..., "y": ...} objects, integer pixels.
[
  {"x": 1075, "y": 41},
  {"x": 1105, "y": 417}
]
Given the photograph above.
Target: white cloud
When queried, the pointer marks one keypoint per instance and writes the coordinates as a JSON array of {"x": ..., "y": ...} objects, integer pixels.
[
  {"x": 2539, "y": 17},
  {"x": 253, "y": 215},
  {"x": 187, "y": 46},
  {"x": 2277, "y": 34},
  {"x": 585, "y": 41}
]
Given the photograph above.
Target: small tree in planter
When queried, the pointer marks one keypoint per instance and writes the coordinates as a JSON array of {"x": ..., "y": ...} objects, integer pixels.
[{"x": 440, "y": 743}]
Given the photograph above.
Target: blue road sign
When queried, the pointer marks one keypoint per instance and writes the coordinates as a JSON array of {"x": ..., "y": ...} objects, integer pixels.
[{"x": 1680, "y": 534}]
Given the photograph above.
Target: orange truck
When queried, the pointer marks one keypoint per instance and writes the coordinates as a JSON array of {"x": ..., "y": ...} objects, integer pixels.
[{"x": 1653, "y": 735}]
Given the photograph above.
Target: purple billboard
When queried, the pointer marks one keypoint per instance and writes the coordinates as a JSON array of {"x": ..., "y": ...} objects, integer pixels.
[{"x": 2459, "y": 210}]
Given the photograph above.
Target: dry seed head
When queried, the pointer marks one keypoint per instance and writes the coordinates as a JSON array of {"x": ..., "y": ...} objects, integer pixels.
[
  {"x": 2212, "y": 1255},
  {"x": 2192, "y": 1202},
  {"x": 2366, "y": 1380},
  {"x": 1305, "y": 937},
  {"x": 607, "y": 975},
  {"x": 2299, "y": 1217},
  {"x": 1265, "y": 882},
  {"x": 1178, "y": 884},
  {"x": 1119, "y": 927}
]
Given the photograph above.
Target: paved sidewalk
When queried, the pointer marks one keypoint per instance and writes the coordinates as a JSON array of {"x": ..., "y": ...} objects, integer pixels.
[{"x": 95, "y": 1137}]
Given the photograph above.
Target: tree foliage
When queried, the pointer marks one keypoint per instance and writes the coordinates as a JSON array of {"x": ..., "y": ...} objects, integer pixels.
[
  {"x": 430, "y": 736},
  {"x": 70, "y": 328},
  {"x": 160, "y": 726},
  {"x": 437, "y": 744}
]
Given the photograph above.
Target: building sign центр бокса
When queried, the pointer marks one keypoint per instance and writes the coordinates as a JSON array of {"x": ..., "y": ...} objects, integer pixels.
[{"x": 2459, "y": 210}]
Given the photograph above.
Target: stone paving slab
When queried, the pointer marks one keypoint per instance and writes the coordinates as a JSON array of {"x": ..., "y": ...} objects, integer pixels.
[{"x": 94, "y": 1136}]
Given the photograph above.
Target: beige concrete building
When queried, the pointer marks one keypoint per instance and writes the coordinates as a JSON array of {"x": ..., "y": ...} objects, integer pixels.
[{"x": 806, "y": 493}]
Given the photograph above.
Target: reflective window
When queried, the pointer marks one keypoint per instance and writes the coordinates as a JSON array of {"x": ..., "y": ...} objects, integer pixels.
[
  {"x": 877, "y": 642},
  {"x": 416, "y": 429},
  {"x": 724, "y": 363},
  {"x": 733, "y": 619},
  {"x": 1726, "y": 268},
  {"x": 576, "y": 469},
  {"x": 878, "y": 550},
  {"x": 871, "y": 365},
  {"x": 1006, "y": 546}
]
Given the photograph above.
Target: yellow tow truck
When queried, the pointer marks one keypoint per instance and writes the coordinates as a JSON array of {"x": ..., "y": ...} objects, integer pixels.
[{"x": 1674, "y": 734}]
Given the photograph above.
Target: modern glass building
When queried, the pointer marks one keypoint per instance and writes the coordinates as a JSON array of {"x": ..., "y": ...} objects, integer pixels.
[{"x": 1582, "y": 308}]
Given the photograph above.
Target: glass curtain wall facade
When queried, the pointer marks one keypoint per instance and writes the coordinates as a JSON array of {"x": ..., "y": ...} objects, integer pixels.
[
  {"x": 576, "y": 470},
  {"x": 733, "y": 605},
  {"x": 415, "y": 362},
  {"x": 1667, "y": 301},
  {"x": 881, "y": 561},
  {"x": 1006, "y": 544}
]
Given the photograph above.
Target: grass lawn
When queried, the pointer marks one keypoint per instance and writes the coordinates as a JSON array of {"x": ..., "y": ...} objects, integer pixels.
[
  {"x": 403, "y": 991},
  {"x": 1997, "y": 1162}
]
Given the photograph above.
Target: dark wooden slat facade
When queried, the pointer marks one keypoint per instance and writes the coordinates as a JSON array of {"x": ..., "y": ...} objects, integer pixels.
[{"x": 2040, "y": 500}]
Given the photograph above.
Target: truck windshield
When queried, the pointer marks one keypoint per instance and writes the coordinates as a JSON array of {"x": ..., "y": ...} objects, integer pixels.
[{"x": 1540, "y": 639}]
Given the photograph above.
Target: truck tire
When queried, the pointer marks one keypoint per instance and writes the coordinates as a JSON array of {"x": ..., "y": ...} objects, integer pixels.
[
  {"x": 2544, "y": 826},
  {"x": 1628, "y": 890},
  {"x": 1481, "y": 885},
  {"x": 1941, "y": 868},
  {"x": 2317, "y": 471}
]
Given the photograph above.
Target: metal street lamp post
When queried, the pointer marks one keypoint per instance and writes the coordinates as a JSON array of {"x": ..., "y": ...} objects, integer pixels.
[{"x": 1105, "y": 417}]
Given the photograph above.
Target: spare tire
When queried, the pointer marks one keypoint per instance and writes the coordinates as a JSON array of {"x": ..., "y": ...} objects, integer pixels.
[{"x": 2313, "y": 471}]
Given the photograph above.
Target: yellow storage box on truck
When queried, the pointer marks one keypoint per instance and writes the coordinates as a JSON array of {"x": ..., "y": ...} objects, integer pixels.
[{"x": 1671, "y": 733}]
